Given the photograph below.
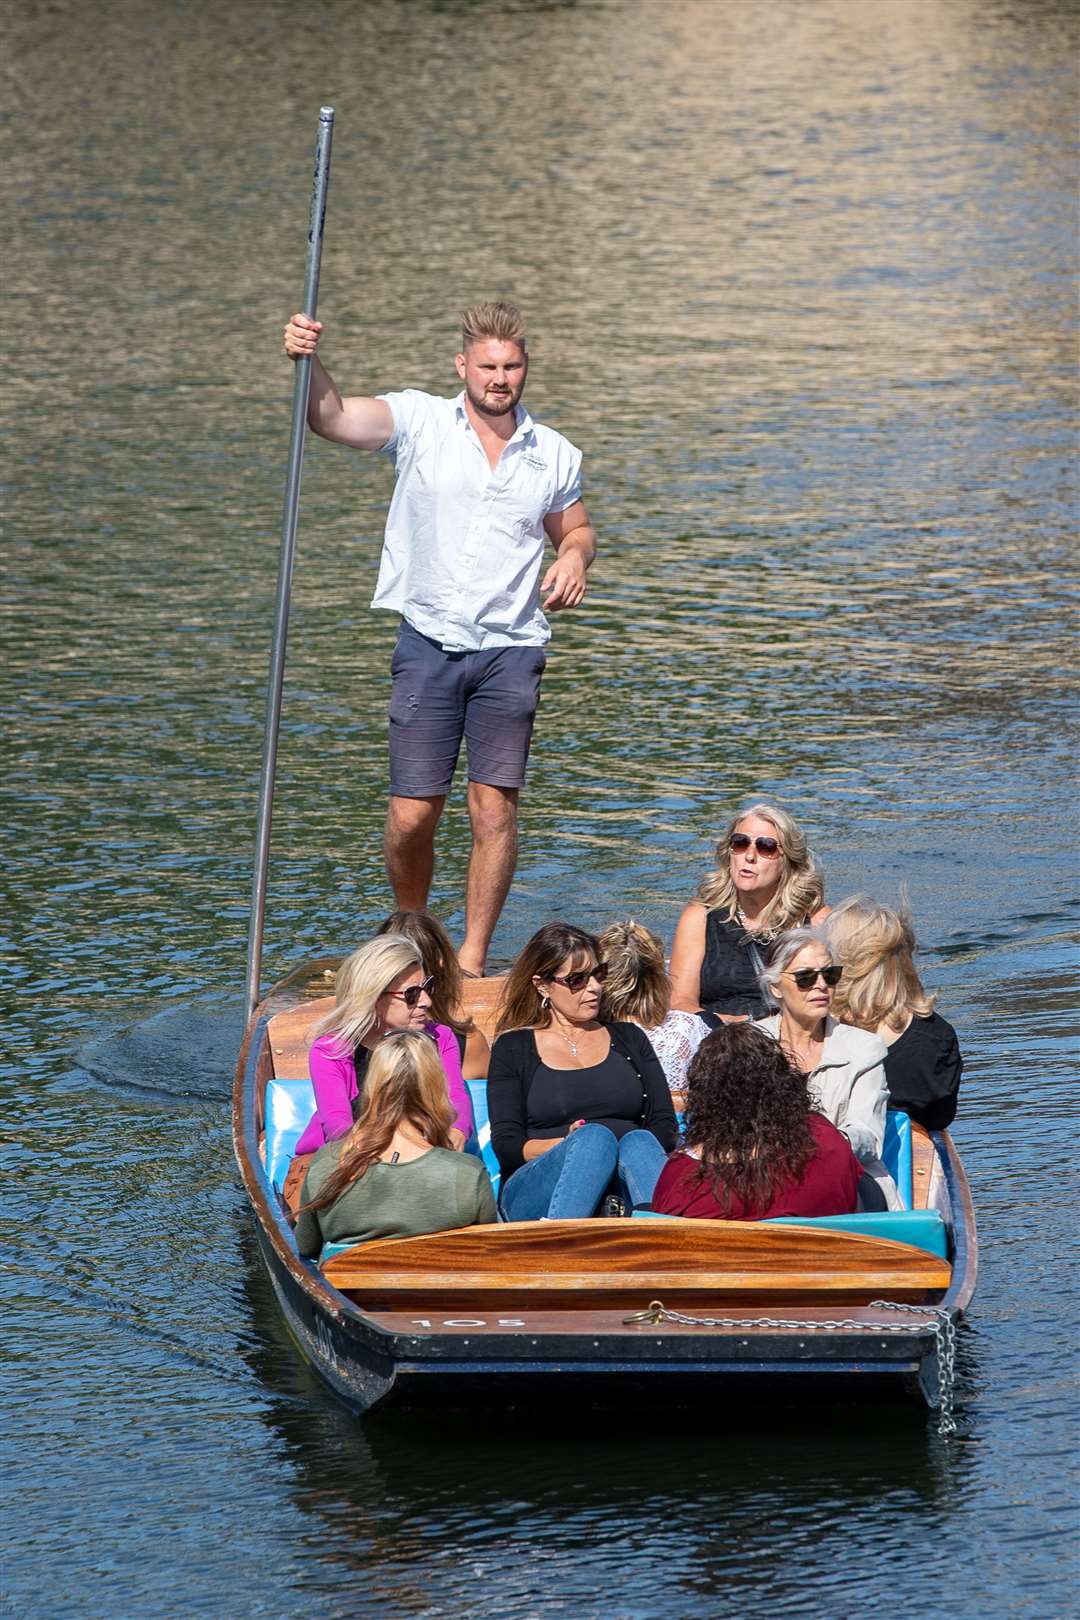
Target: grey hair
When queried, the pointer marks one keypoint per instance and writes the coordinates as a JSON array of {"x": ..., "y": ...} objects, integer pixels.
[{"x": 783, "y": 953}]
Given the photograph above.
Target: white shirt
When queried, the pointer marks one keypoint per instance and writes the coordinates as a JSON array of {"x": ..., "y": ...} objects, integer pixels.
[
  {"x": 675, "y": 1041},
  {"x": 464, "y": 542}
]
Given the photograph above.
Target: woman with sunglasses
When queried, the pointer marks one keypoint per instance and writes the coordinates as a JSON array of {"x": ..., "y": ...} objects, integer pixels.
[
  {"x": 881, "y": 991},
  {"x": 579, "y": 1108},
  {"x": 379, "y": 989},
  {"x": 844, "y": 1067},
  {"x": 392, "y": 1175},
  {"x": 754, "y": 1149},
  {"x": 440, "y": 963},
  {"x": 765, "y": 882}
]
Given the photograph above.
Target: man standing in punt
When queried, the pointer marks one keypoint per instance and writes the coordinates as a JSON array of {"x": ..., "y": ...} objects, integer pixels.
[{"x": 479, "y": 484}]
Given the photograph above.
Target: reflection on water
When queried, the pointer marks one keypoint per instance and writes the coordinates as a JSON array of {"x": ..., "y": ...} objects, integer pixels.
[{"x": 800, "y": 282}]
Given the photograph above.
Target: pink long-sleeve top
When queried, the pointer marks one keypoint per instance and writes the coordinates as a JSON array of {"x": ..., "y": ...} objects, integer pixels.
[{"x": 333, "y": 1075}]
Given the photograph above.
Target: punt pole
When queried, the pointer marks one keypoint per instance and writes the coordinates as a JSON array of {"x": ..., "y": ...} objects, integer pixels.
[{"x": 301, "y": 386}]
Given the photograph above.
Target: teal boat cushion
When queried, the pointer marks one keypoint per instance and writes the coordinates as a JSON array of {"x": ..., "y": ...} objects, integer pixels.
[
  {"x": 330, "y": 1249},
  {"x": 289, "y": 1106},
  {"x": 922, "y": 1228},
  {"x": 896, "y": 1152},
  {"x": 291, "y": 1103},
  {"x": 480, "y": 1144}
]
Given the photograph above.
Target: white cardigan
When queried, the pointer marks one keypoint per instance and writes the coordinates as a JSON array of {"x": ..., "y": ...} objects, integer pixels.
[{"x": 848, "y": 1084}]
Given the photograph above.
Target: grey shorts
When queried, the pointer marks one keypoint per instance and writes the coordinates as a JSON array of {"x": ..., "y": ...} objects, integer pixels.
[{"x": 489, "y": 698}]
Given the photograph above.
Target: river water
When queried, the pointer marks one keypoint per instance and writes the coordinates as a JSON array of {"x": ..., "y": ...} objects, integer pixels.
[{"x": 801, "y": 279}]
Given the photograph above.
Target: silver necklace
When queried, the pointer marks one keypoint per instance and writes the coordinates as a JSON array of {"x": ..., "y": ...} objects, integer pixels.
[{"x": 571, "y": 1044}]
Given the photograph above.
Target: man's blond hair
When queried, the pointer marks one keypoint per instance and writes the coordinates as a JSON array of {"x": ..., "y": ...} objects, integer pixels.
[{"x": 492, "y": 319}]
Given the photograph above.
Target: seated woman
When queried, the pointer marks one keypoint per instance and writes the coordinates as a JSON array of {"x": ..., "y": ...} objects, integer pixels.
[
  {"x": 844, "y": 1067},
  {"x": 393, "y": 1174},
  {"x": 753, "y": 1146},
  {"x": 881, "y": 991},
  {"x": 579, "y": 1108},
  {"x": 441, "y": 964},
  {"x": 764, "y": 883},
  {"x": 380, "y": 988},
  {"x": 637, "y": 989}
]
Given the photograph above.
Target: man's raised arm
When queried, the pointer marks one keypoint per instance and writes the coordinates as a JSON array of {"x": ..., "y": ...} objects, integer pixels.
[{"x": 365, "y": 424}]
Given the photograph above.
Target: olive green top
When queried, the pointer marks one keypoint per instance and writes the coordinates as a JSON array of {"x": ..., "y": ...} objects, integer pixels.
[{"x": 438, "y": 1190}]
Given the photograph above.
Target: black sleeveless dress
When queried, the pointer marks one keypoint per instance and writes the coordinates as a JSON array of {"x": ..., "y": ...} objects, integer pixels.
[{"x": 730, "y": 967}]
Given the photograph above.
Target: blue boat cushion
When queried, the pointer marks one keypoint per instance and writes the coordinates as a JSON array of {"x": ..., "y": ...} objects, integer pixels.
[
  {"x": 922, "y": 1228},
  {"x": 289, "y": 1106},
  {"x": 291, "y": 1103},
  {"x": 896, "y": 1152},
  {"x": 480, "y": 1144}
]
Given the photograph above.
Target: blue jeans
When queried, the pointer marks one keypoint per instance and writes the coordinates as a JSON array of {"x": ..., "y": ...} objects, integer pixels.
[{"x": 569, "y": 1180}]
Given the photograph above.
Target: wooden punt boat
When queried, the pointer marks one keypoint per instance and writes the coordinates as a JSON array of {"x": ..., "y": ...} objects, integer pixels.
[{"x": 603, "y": 1307}]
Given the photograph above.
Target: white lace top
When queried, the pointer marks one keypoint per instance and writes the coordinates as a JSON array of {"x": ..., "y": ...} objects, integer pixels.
[{"x": 675, "y": 1041}]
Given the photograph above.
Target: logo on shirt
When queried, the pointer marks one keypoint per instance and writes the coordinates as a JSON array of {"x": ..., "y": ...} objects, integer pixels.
[{"x": 534, "y": 461}]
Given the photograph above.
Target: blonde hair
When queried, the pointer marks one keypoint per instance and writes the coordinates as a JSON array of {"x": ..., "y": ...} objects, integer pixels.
[
  {"x": 492, "y": 319},
  {"x": 438, "y": 960},
  {"x": 361, "y": 979},
  {"x": 876, "y": 946},
  {"x": 801, "y": 888},
  {"x": 405, "y": 1082},
  {"x": 637, "y": 985}
]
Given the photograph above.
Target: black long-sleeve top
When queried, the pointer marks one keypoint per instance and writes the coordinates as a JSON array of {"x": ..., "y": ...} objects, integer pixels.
[
  {"x": 922, "y": 1071},
  {"x": 528, "y": 1101}
]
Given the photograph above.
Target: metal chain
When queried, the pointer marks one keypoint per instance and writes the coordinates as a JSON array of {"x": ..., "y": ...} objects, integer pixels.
[{"x": 944, "y": 1329}]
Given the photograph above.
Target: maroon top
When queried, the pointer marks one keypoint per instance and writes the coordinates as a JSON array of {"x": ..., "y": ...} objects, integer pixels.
[{"x": 828, "y": 1186}]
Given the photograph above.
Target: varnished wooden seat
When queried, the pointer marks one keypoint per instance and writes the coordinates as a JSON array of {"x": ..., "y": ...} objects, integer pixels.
[{"x": 606, "y": 1263}]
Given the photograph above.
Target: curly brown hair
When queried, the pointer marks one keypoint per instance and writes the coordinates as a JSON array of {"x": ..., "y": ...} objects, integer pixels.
[{"x": 747, "y": 1115}]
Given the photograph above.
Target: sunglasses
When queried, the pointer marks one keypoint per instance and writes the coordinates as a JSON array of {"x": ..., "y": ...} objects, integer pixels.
[
  {"x": 577, "y": 981},
  {"x": 764, "y": 846},
  {"x": 806, "y": 978},
  {"x": 411, "y": 996}
]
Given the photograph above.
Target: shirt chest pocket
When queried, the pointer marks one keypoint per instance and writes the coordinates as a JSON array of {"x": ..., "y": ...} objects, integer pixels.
[{"x": 522, "y": 506}]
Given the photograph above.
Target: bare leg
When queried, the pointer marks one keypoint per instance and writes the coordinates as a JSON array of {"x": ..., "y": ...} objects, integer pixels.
[
  {"x": 409, "y": 846},
  {"x": 493, "y": 814}
]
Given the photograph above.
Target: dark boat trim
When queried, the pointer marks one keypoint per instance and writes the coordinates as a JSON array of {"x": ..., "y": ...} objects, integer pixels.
[{"x": 965, "y": 1258}]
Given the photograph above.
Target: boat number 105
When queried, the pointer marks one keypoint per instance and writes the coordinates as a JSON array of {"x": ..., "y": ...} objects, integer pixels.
[{"x": 466, "y": 1321}]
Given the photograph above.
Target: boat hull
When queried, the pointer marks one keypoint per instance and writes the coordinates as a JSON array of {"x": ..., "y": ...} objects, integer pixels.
[
  {"x": 510, "y": 1351},
  {"x": 365, "y": 1365}
]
